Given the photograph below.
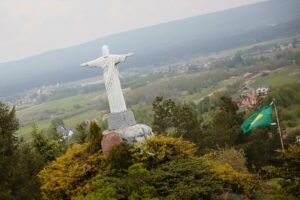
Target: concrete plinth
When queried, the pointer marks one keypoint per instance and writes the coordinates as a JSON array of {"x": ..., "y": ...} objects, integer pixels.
[{"x": 120, "y": 120}]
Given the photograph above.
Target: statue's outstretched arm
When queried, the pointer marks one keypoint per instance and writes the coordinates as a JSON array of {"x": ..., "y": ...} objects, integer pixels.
[
  {"x": 122, "y": 58},
  {"x": 99, "y": 62},
  {"x": 129, "y": 54}
]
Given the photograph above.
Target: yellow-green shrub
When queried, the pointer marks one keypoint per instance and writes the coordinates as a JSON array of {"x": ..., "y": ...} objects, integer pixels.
[
  {"x": 119, "y": 156},
  {"x": 70, "y": 174},
  {"x": 159, "y": 149},
  {"x": 235, "y": 158},
  {"x": 162, "y": 166},
  {"x": 235, "y": 181}
]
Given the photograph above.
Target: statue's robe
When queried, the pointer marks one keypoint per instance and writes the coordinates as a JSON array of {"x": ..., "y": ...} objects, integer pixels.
[{"x": 112, "y": 80}]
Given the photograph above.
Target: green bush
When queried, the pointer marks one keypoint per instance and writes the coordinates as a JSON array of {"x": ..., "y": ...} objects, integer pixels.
[
  {"x": 160, "y": 149},
  {"x": 70, "y": 174},
  {"x": 235, "y": 158},
  {"x": 95, "y": 137},
  {"x": 185, "y": 178},
  {"x": 108, "y": 193},
  {"x": 290, "y": 171},
  {"x": 119, "y": 156}
]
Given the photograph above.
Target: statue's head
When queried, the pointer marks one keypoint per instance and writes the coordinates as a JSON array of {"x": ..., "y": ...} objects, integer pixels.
[{"x": 105, "y": 50}]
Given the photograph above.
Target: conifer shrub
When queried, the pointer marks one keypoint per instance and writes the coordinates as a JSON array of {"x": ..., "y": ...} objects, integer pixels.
[
  {"x": 235, "y": 158},
  {"x": 108, "y": 193},
  {"x": 48, "y": 149},
  {"x": 268, "y": 172},
  {"x": 70, "y": 174},
  {"x": 139, "y": 183},
  {"x": 95, "y": 137},
  {"x": 290, "y": 171},
  {"x": 119, "y": 156},
  {"x": 234, "y": 181},
  {"x": 186, "y": 178},
  {"x": 159, "y": 149}
]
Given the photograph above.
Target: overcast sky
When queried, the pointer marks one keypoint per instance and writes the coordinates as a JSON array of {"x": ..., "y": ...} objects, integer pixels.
[{"x": 29, "y": 27}]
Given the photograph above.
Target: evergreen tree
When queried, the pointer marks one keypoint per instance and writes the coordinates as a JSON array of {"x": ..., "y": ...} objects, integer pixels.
[
  {"x": 25, "y": 182},
  {"x": 186, "y": 122},
  {"x": 164, "y": 113},
  {"x": 8, "y": 149},
  {"x": 260, "y": 146},
  {"x": 290, "y": 171},
  {"x": 95, "y": 137},
  {"x": 48, "y": 149},
  {"x": 80, "y": 134},
  {"x": 179, "y": 120},
  {"x": 224, "y": 129}
]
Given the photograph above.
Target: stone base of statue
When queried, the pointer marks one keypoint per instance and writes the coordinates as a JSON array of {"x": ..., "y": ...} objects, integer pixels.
[
  {"x": 120, "y": 120},
  {"x": 130, "y": 134},
  {"x": 125, "y": 126}
]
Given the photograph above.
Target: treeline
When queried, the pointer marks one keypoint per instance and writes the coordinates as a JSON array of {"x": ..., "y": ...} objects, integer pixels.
[
  {"x": 266, "y": 61},
  {"x": 68, "y": 91},
  {"x": 176, "y": 86}
]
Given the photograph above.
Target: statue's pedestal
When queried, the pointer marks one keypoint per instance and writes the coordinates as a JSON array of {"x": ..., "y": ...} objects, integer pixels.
[
  {"x": 120, "y": 120},
  {"x": 122, "y": 127},
  {"x": 130, "y": 134}
]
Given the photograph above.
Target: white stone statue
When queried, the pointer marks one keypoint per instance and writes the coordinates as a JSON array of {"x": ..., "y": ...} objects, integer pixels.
[{"x": 108, "y": 62}]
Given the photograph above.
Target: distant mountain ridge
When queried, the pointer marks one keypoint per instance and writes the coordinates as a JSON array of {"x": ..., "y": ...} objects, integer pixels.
[{"x": 159, "y": 44}]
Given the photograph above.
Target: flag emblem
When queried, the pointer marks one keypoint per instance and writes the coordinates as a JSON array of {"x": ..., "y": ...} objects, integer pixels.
[{"x": 260, "y": 115}]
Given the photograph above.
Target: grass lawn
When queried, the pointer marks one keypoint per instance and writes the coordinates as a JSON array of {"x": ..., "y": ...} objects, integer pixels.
[
  {"x": 289, "y": 74},
  {"x": 72, "y": 110}
]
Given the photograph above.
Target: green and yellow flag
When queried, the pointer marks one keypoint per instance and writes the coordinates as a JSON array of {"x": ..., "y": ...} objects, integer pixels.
[{"x": 262, "y": 117}]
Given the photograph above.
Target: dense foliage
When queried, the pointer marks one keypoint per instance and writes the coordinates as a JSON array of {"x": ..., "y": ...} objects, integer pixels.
[
  {"x": 290, "y": 171},
  {"x": 69, "y": 174},
  {"x": 160, "y": 168},
  {"x": 288, "y": 100},
  {"x": 19, "y": 164}
]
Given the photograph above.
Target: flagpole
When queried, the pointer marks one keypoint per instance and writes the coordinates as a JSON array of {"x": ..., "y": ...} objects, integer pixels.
[{"x": 278, "y": 125}]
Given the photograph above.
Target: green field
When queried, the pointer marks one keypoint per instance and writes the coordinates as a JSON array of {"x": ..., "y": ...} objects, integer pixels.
[
  {"x": 286, "y": 75},
  {"x": 72, "y": 110}
]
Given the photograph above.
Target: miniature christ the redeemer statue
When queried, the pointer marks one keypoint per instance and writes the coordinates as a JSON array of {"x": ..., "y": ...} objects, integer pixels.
[
  {"x": 120, "y": 121},
  {"x": 108, "y": 62}
]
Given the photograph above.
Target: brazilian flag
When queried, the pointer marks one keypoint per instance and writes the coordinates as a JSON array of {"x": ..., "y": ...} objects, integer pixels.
[{"x": 262, "y": 117}]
